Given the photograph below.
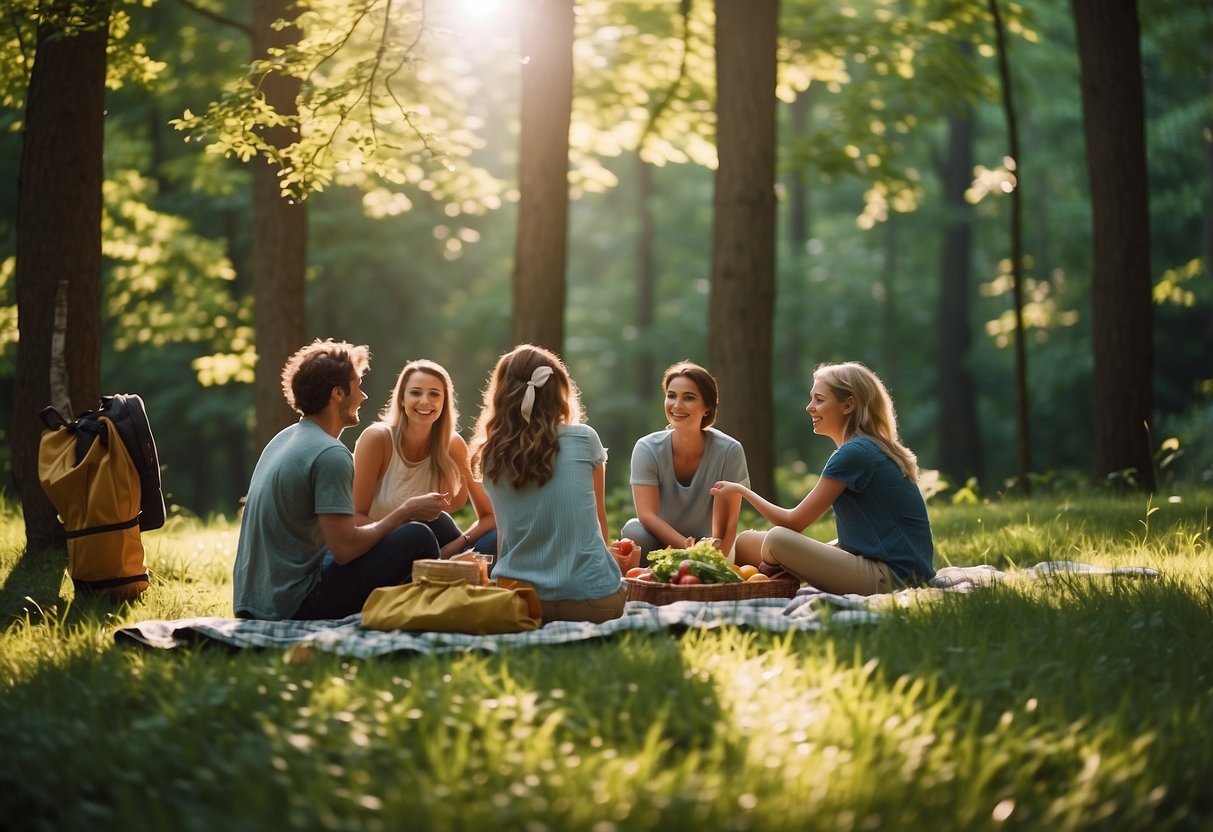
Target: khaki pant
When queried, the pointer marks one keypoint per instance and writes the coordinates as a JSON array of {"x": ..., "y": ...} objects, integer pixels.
[
  {"x": 595, "y": 610},
  {"x": 821, "y": 565}
]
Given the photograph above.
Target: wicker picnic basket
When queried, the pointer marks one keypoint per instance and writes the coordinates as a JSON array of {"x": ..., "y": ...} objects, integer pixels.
[
  {"x": 447, "y": 570},
  {"x": 658, "y": 593}
]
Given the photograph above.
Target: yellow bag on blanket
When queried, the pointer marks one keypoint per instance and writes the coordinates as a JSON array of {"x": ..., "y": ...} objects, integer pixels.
[{"x": 427, "y": 605}]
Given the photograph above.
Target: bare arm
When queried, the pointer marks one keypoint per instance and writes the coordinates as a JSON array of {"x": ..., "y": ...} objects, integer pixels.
[
  {"x": 725, "y": 510},
  {"x": 349, "y": 540},
  {"x": 600, "y": 500},
  {"x": 371, "y": 454},
  {"x": 485, "y": 521},
  {"x": 807, "y": 512},
  {"x": 648, "y": 499},
  {"x": 459, "y": 453}
]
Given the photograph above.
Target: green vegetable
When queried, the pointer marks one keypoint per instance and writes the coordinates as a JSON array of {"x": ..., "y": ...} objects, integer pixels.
[
  {"x": 712, "y": 574},
  {"x": 665, "y": 561}
]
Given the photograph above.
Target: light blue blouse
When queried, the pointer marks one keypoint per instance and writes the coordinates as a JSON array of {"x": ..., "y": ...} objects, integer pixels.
[{"x": 549, "y": 536}]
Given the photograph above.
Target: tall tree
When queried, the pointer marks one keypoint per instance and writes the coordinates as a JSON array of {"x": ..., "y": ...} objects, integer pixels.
[
  {"x": 959, "y": 437},
  {"x": 59, "y": 238},
  {"x": 543, "y": 151},
  {"x": 279, "y": 232},
  {"x": 1109, "y": 52},
  {"x": 743, "y": 238},
  {"x": 1022, "y": 422}
]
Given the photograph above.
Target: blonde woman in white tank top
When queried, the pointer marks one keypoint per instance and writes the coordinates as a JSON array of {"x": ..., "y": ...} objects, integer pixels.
[{"x": 415, "y": 455}]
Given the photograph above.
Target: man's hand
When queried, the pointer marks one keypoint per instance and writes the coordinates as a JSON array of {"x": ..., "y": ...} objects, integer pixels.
[{"x": 427, "y": 507}]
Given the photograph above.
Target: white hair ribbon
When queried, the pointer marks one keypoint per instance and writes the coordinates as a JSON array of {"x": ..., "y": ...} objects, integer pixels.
[{"x": 538, "y": 379}]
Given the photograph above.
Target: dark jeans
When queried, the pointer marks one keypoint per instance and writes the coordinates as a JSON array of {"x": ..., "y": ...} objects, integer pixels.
[
  {"x": 344, "y": 589},
  {"x": 445, "y": 530}
]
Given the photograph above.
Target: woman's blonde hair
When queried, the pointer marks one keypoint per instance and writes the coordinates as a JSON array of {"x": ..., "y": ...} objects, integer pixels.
[
  {"x": 873, "y": 415},
  {"x": 507, "y": 446},
  {"x": 444, "y": 473}
]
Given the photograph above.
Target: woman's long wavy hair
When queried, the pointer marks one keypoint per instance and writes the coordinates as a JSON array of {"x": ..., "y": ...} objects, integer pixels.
[
  {"x": 873, "y": 415},
  {"x": 508, "y": 447},
  {"x": 444, "y": 473}
]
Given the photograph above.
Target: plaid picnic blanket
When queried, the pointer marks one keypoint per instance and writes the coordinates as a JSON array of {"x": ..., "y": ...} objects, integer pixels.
[{"x": 809, "y": 611}]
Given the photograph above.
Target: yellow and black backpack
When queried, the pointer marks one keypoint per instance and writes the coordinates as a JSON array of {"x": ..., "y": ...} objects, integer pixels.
[{"x": 102, "y": 474}]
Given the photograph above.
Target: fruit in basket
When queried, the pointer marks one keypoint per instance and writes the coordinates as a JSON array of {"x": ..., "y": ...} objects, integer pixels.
[
  {"x": 684, "y": 569},
  {"x": 690, "y": 579},
  {"x": 635, "y": 571},
  {"x": 667, "y": 564},
  {"x": 746, "y": 571},
  {"x": 757, "y": 577}
]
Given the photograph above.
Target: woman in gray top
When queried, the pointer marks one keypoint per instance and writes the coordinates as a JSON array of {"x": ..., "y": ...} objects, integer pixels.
[{"x": 673, "y": 470}]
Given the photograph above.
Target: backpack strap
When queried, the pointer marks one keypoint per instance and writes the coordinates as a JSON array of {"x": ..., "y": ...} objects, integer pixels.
[
  {"x": 108, "y": 527},
  {"x": 52, "y": 418}
]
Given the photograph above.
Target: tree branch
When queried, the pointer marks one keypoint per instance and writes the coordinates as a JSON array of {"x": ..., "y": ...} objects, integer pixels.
[
  {"x": 655, "y": 114},
  {"x": 217, "y": 18}
]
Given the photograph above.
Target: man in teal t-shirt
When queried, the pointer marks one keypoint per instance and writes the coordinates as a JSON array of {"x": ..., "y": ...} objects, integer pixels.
[{"x": 300, "y": 553}]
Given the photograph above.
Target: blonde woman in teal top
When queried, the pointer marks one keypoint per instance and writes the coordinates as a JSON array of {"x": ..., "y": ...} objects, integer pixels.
[
  {"x": 545, "y": 473},
  {"x": 871, "y": 482}
]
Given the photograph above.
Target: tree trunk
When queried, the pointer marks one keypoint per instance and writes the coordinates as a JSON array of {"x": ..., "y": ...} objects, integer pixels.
[
  {"x": 58, "y": 242},
  {"x": 743, "y": 238},
  {"x": 1208, "y": 203},
  {"x": 1023, "y": 422},
  {"x": 279, "y": 240},
  {"x": 1109, "y": 53},
  {"x": 959, "y": 436},
  {"x": 543, "y": 151}
]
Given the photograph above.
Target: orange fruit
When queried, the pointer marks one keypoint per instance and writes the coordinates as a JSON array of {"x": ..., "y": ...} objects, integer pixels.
[
  {"x": 756, "y": 577},
  {"x": 746, "y": 571}
]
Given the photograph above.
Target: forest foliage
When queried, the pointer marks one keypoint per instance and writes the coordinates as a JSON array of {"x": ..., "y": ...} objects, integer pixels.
[{"x": 406, "y": 156}]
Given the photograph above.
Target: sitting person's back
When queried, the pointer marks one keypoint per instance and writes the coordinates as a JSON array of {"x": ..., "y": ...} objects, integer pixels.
[{"x": 545, "y": 473}]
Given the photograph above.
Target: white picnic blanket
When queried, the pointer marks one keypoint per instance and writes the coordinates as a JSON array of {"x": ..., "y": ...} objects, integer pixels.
[{"x": 810, "y": 610}]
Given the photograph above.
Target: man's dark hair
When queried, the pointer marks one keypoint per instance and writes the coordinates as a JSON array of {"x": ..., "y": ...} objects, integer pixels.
[{"x": 313, "y": 371}]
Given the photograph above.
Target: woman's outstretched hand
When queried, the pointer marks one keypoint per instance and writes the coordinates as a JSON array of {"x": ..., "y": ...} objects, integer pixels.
[{"x": 725, "y": 488}]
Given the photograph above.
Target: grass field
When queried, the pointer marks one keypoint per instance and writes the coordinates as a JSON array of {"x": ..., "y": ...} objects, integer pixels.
[{"x": 1073, "y": 703}]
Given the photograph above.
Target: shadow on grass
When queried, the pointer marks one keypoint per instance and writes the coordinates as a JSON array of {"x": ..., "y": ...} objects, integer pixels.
[{"x": 34, "y": 584}]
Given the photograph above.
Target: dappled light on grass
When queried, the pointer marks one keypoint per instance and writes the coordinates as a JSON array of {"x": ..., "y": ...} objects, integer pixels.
[{"x": 1066, "y": 702}]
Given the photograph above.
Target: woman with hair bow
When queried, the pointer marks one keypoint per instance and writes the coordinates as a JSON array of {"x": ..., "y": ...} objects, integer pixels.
[{"x": 545, "y": 471}]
